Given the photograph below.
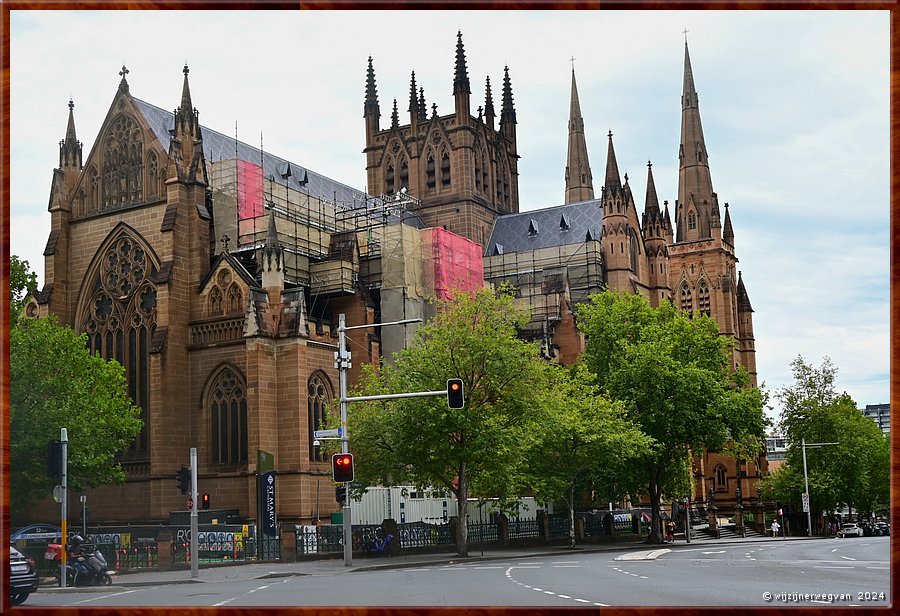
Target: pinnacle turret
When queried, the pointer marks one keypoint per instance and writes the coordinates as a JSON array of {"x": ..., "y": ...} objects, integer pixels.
[
  {"x": 488, "y": 102},
  {"x": 508, "y": 111},
  {"x": 579, "y": 180},
  {"x": 742, "y": 297},
  {"x": 371, "y": 105},
  {"x": 461, "y": 73},
  {"x": 611, "y": 182},
  {"x": 395, "y": 119},
  {"x": 423, "y": 109},
  {"x": 727, "y": 230},
  {"x": 187, "y": 121},
  {"x": 70, "y": 147},
  {"x": 651, "y": 203}
]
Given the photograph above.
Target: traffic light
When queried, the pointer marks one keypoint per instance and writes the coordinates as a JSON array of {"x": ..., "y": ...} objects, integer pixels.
[
  {"x": 183, "y": 477},
  {"x": 455, "y": 399},
  {"x": 54, "y": 458},
  {"x": 340, "y": 495},
  {"x": 204, "y": 500},
  {"x": 342, "y": 467}
]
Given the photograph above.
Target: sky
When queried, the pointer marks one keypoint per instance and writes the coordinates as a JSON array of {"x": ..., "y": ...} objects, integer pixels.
[{"x": 794, "y": 106}]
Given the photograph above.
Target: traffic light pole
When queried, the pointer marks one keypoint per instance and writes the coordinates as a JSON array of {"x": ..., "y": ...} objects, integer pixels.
[
  {"x": 195, "y": 566},
  {"x": 64, "y": 448},
  {"x": 804, "y": 445},
  {"x": 342, "y": 363}
]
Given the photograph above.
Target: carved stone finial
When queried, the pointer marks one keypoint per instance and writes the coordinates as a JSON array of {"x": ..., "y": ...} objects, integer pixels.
[
  {"x": 186, "y": 70},
  {"x": 72, "y": 106},
  {"x": 124, "y": 72},
  {"x": 225, "y": 239}
]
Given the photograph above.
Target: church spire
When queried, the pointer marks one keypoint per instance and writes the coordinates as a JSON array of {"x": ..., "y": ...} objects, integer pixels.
[
  {"x": 186, "y": 118},
  {"x": 579, "y": 181},
  {"x": 651, "y": 203},
  {"x": 395, "y": 119},
  {"x": 423, "y": 110},
  {"x": 70, "y": 147},
  {"x": 371, "y": 110},
  {"x": 488, "y": 103},
  {"x": 742, "y": 298},
  {"x": 611, "y": 182},
  {"x": 461, "y": 89},
  {"x": 727, "y": 230},
  {"x": 696, "y": 200},
  {"x": 413, "y": 100},
  {"x": 507, "y": 111},
  {"x": 186, "y": 148}
]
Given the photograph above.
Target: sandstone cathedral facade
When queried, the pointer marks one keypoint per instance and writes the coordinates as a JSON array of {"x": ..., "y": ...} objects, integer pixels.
[{"x": 214, "y": 272}]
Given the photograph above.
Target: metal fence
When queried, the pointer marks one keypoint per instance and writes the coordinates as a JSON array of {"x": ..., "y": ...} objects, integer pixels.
[
  {"x": 216, "y": 552},
  {"x": 559, "y": 525},
  {"x": 329, "y": 538},
  {"x": 422, "y": 535},
  {"x": 135, "y": 558},
  {"x": 483, "y": 533},
  {"x": 525, "y": 529}
]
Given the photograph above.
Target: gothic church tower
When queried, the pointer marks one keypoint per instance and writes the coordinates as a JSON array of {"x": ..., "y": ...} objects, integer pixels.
[
  {"x": 579, "y": 181},
  {"x": 463, "y": 171},
  {"x": 702, "y": 268}
]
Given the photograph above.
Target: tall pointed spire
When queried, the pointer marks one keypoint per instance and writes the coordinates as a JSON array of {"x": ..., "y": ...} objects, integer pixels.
[
  {"x": 413, "y": 101},
  {"x": 423, "y": 110},
  {"x": 70, "y": 147},
  {"x": 695, "y": 191},
  {"x": 611, "y": 182},
  {"x": 395, "y": 119},
  {"x": 489, "y": 114},
  {"x": 186, "y": 91},
  {"x": 579, "y": 180},
  {"x": 742, "y": 297},
  {"x": 371, "y": 110},
  {"x": 271, "y": 232},
  {"x": 651, "y": 203},
  {"x": 461, "y": 73},
  {"x": 507, "y": 111},
  {"x": 187, "y": 122},
  {"x": 727, "y": 230}
]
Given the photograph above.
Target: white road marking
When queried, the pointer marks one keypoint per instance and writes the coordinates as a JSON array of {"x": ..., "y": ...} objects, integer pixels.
[
  {"x": 880, "y": 568},
  {"x": 547, "y": 592},
  {"x": 564, "y": 597},
  {"x": 115, "y": 594},
  {"x": 823, "y": 567},
  {"x": 564, "y": 562},
  {"x": 582, "y": 600},
  {"x": 567, "y": 566},
  {"x": 718, "y": 552},
  {"x": 847, "y": 558},
  {"x": 226, "y": 601},
  {"x": 834, "y": 550},
  {"x": 419, "y": 569},
  {"x": 489, "y": 567},
  {"x": 249, "y": 592}
]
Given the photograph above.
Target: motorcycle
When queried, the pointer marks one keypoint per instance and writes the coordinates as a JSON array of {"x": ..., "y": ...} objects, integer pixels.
[{"x": 89, "y": 569}]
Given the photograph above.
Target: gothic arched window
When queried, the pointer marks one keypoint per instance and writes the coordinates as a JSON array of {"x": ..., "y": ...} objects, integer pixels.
[
  {"x": 122, "y": 164},
  {"x": 703, "y": 298},
  {"x": 215, "y": 302},
  {"x": 477, "y": 171},
  {"x": 318, "y": 397},
  {"x": 152, "y": 172},
  {"x": 485, "y": 181},
  {"x": 404, "y": 174},
  {"x": 445, "y": 170},
  {"x": 389, "y": 179},
  {"x": 692, "y": 221},
  {"x": 721, "y": 479},
  {"x": 686, "y": 300},
  {"x": 227, "y": 406},
  {"x": 235, "y": 299},
  {"x": 429, "y": 172},
  {"x": 120, "y": 320}
]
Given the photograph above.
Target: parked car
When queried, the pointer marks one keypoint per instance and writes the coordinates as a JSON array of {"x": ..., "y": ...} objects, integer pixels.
[
  {"x": 885, "y": 528},
  {"x": 851, "y": 530},
  {"x": 22, "y": 578}
]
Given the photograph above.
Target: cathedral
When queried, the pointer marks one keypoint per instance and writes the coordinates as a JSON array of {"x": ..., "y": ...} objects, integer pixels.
[{"x": 215, "y": 273}]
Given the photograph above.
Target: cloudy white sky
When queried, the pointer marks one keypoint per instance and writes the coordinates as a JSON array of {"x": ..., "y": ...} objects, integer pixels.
[{"x": 795, "y": 109}]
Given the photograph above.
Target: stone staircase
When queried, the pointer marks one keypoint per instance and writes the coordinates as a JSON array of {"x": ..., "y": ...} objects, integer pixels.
[{"x": 728, "y": 532}]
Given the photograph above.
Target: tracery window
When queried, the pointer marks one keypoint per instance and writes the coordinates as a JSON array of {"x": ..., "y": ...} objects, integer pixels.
[
  {"x": 318, "y": 397},
  {"x": 686, "y": 300},
  {"x": 152, "y": 172},
  {"x": 484, "y": 171},
  {"x": 215, "y": 302},
  {"x": 122, "y": 164},
  {"x": 120, "y": 321},
  {"x": 477, "y": 171},
  {"x": 228, "y": 418},
  {"x": 404, "y": 174},
  {"x": 389, "y": 179},
  {"x": 429, "y": 172},
  {"x": 703, "y": 298},
  {"x": 721, "y": 479},
  {"x": 692, "y": 221},
  {"x": 235, "y": 298},
  {"x": 445, "y": 170}
]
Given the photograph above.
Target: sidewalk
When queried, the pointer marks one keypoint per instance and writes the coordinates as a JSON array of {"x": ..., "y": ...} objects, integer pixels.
[{"x": 332, "y": 566}]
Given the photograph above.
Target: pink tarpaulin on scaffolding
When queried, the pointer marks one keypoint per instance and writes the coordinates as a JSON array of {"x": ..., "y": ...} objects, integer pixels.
[
  {"x": 250, "y": 190},
  {"x": 451, "y": 262}
]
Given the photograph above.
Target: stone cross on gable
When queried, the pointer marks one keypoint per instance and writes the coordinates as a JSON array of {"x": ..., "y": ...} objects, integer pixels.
[
  {"x": 124, "y": 71},
  {"x": 225, "y": 239}
]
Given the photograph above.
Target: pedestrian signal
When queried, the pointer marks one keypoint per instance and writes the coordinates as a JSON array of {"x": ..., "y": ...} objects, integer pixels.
[
  {"x": 183, "y": 479},
  {"x": 54, "y": 459},
  {"x": 455, "y": 399},
  {"x": 204, "y": 500},
  {"x": 342, "y": 467}
]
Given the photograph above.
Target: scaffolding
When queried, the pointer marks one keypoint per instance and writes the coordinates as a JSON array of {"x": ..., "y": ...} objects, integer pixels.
[{"x": 543, "y": 278}]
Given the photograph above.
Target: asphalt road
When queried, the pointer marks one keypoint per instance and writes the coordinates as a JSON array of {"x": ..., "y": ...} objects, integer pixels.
[{"x": 845, "y": 572}]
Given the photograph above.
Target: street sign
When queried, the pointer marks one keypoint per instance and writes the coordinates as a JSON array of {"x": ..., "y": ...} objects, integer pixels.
[
  {"x": 805, "y": 497},
  {"x": 58, "y": 493},
  {"x": 327, "y": 433},
  {"x": 190, "y": 503}
]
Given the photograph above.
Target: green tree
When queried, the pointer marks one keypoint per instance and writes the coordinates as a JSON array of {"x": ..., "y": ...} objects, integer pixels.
[
  {"x": 474, "y": 450},
  {"x": 855, "y": 470},
  {"x": 55, "y": 382},
  {"x": 584, "y": 439},
  {"x": 673, "y": 374},
  {"x": 21, "y": 282}
]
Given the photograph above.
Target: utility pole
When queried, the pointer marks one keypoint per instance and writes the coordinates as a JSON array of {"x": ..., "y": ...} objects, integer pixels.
[
  {"x": 195, "y": 566},
  {"x": 807, "y": 504},
  {"x": 64, "y": 440}
]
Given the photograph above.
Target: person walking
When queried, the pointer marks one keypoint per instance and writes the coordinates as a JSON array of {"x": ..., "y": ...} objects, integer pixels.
[{"x": 775, "y": 527}]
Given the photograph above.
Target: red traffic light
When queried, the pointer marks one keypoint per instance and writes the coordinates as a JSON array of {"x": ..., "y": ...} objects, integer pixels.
[
  {"x": 455, "y": 399},
  {"x": 204, "y": 500},
  {"x": 342, "y": 467}
]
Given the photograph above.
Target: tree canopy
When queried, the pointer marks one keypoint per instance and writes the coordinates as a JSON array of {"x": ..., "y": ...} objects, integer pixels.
[
  {"x": 673, "y": 373},
  {"x": 474, "y": 449},
  {"x": 56, "y": 383},
  {"x": 853, "y": 471}
]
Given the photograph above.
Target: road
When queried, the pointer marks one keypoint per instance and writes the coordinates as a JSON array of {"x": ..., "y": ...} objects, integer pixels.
[{"x": 855, "y": 572}]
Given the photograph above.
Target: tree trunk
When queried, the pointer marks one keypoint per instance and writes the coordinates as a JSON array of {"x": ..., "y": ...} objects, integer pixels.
[
  {"x": 655, "y": 536},
  {"x": 571, "y": 505},
  {"x": 462, "y": 502}
]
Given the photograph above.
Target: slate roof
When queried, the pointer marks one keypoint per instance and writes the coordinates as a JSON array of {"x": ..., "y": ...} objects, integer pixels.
[
  {"x": 217, "y": 146},
  {"x": 546, "y": 228}
]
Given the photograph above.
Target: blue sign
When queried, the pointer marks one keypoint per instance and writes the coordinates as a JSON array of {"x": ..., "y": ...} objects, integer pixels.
[{"x": 267, "y": 515}]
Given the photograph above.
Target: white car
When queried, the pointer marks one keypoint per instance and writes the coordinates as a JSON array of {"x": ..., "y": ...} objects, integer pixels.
[{"x": 851, "y": 530}]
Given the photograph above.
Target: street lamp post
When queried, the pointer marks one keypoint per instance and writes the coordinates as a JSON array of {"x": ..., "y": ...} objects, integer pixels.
[{"x": 804, "y": 445}]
